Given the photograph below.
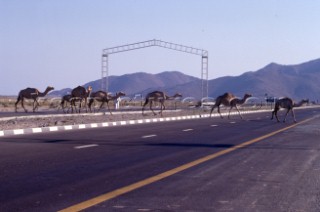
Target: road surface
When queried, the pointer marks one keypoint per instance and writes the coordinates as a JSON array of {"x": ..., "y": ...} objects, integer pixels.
[{"x": 209, "y": 164}]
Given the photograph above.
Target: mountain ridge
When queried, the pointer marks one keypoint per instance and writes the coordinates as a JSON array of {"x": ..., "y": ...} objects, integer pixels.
[{"x": 295, "y": 81}]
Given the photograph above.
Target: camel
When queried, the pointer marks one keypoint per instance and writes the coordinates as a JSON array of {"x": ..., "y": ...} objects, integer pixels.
[
  {"x": 288, "y": 104},
  {"x": 65, "y": 100},
  {"x": 80, "y": 93},
  {"x": 103, "y": 97},
  {"x": 31, "y": 93},
  {"x": 228, "y": 99},
  {"x": 158, "y": 96}
]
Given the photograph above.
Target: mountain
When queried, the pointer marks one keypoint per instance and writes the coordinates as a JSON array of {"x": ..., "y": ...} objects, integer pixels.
[
  {"x": 295, "y": 81},
  {"x": 138, "y": 82}
]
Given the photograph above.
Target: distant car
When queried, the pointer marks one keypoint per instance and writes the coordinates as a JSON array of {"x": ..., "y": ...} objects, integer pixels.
[{"x": 271, "y": 99}]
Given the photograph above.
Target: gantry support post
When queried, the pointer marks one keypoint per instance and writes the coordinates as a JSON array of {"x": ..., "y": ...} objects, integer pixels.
[
  {"x": 204, "y": 76},
  {"x": 104, "y": 73}
]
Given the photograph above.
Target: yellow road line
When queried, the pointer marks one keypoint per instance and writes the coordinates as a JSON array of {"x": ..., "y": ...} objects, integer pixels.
[{"x": 134, "y": 186}]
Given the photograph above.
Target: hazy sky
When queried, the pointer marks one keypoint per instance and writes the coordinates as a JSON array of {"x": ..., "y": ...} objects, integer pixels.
[{"x": 60, "y": 42}]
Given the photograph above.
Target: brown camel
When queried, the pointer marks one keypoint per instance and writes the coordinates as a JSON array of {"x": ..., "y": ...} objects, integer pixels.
[
  {"x": 103, "y": 97},
  {"x": 288, "y": 104},
  {"x": 158, "y": 96},
  {"x": 31, "y": 93},
  {"x": 228, "y": 99},
  {"x": 80, "y": 93},
  {"x": 236, "y": 101},
  {"x": 65, "y": 100}
]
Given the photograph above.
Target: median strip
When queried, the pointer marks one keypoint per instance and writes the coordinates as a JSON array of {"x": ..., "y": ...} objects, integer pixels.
[{"x": 13, "y": 132}]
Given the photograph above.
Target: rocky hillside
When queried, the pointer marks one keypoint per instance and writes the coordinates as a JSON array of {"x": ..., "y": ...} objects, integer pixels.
[{"x": 296, "y": 81}]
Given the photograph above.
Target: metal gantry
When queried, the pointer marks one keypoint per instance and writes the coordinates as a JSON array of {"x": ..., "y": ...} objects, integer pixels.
[{"x": 177, "y": 47}]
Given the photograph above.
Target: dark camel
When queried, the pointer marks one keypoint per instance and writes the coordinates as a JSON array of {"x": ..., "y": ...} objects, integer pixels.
[
  {"x": 80, "y": 93},
  {"x": 103, "y": 97},
  {"x": 31, "y": 93},
  {"x": 65, "y": 100},
  {"x": 158, "y": 96},
  {"x": 288, "y": 104},
  {"x": 228, "y": 99}
]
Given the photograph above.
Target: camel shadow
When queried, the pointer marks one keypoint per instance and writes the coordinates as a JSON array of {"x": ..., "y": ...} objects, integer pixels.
[
  {"x": 34, "y": 140},
  {"x": 191, "y": 145}
]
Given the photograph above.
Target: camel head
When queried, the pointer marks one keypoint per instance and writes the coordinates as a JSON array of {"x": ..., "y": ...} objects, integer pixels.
[
  {"x": 89, "y": 89},
  {"x": 246, "y": 96},
  {"x": 302, "y": 102},
  {"x": 120, "y": 93},
  {"x": 177, "y": 95},
  {"x": 49, "y": 88}
]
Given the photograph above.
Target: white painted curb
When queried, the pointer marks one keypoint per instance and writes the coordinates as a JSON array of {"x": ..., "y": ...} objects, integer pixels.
[{"x": 115, "y": 123}]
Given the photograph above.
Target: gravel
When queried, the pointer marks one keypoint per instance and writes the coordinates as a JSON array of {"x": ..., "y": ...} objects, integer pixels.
[{"x": 36, "y": 120}]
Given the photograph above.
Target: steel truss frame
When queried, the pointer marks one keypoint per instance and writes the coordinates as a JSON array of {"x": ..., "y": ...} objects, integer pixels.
[{"x": 191, "y": 50}]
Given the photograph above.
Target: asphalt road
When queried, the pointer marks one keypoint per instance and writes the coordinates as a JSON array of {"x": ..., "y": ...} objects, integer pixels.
[{"x": 192, "y": 165}]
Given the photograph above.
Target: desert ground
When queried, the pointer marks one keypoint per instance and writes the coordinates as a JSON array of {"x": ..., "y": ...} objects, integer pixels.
[{"x": 50, "y": 113}]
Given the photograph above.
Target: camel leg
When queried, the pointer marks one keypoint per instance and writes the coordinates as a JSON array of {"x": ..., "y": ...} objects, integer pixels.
[
  {"x": 229, "y": 112},
  {"x": 276, "y": 115},
  {"x": 285, "y": 117},
  {"x": 239, "y": 112},
  {"x": 151, "y": 108},
  {"x": 145, "y": 103},
  {"x": 101, "y": 105},
  {"x": 219, "y": 112},
  {"x": 86, "y": 104},
  {"x": 35, "y": 105},
  {"x": 80, "y": 105},
  {"x": 22, "y": 104},
  {"x": 89, "y": 104},
  {"x": 161, "y": 108},
  {"x": 68, "y": 108},
  {"x": 293, "y": 115},
  {"x": 16, "y": 104},
  {"x": 73, "y": 106},
  {"x": 62, "y": 106},
  {"x": 213, "y": 107},
  {"x": 109, "y": 108}
]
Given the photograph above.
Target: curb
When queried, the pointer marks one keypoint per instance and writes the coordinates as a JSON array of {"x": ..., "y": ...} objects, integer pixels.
[{"x": 14, "y": 132}]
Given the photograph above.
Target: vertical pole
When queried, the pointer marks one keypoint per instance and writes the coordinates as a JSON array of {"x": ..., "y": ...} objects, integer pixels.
[
  {"x": 204, "y": 76},
  {"x": 104, "y": 73}
]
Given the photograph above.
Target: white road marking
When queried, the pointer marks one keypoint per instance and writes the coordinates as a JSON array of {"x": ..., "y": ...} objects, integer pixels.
[
  {"x": 148, "y": 136},
  {"x": 214, "y": 125},
  {"x": 86, "y": 146},
  {"x": 53, "y": 128},
  {"x": 18, "y": 131},
  {"x": 186, "y": 130},
  {"x": 36, "y": 130},
  {"x": 233, "y": 122},
  {"x": 94, "y": 125},
  {"x": 119, "y": 206}
]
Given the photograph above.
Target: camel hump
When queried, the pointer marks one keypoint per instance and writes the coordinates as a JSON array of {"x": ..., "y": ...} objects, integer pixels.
[
  {"x": 228, "y": 95},
  {"x": 154, "y": 92},
  {"x": 78, "y": 90}
]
